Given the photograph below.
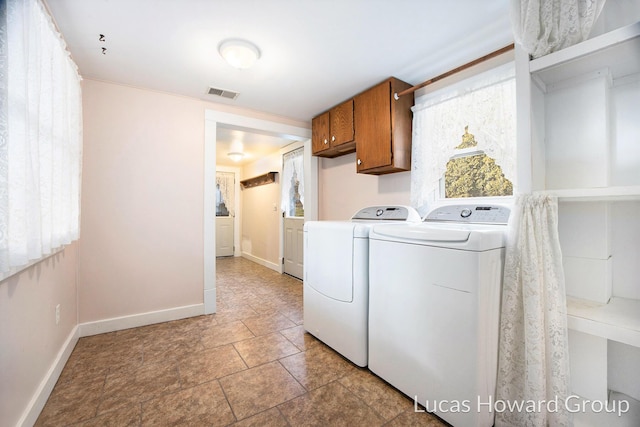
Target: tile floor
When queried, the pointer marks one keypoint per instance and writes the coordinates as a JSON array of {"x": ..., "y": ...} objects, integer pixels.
[{"x": 250, "y": 364}]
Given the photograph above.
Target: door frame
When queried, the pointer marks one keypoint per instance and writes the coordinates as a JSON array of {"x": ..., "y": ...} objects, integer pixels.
[
  {"x": 284, "y": 150},
  {"x": 212, "y": 119}
]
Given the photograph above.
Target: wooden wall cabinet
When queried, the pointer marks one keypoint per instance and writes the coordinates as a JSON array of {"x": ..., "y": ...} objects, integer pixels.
[
  {"x": 332, "y": 133},
  {"x": 383, "y": 128}
]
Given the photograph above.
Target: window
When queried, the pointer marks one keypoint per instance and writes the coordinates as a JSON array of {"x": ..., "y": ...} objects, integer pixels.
[
  {"x": 225, "y": 194},
  {"x": 471, "y": 173},
  {"x": 293, "y": 183},
  {"x": 40, "y": 137},
  {"x": 464, "y": 139}
]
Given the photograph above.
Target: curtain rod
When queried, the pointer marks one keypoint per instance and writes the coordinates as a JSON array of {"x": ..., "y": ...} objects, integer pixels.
[{"x": 454, "y": 71}]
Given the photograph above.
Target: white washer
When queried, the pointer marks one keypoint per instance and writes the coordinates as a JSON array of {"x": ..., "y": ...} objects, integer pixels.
[
  {"x": 434, "y": 307},
  {"x": 336, "y": 277}
]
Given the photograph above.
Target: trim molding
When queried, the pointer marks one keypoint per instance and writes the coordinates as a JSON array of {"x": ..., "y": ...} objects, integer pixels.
[
  {"x": 141, "y": 319},
  {"x": 272, "y": 265},
  {"x": 39, "y": 399}
]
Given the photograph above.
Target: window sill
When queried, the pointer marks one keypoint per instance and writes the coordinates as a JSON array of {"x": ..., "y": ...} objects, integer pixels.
[{"x": 17, "y": 270}]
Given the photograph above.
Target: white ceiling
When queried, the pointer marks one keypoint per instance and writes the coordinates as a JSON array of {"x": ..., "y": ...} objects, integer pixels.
[{"x": 314, "y": 53}]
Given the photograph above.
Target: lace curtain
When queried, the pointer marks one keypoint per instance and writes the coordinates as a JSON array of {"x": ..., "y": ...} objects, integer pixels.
[
  {"x": 533, "y": 361},
  {"x": 485, "y": 103},
  {"x": 293, "y": 183},
  {"x": 545, "y": 26},
  {"x": 225, "y": 193},
  {"x": 40, "y": 136}
]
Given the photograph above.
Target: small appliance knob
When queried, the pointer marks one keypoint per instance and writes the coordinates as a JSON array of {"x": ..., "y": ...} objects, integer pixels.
[{"x": 465, "y": 213}]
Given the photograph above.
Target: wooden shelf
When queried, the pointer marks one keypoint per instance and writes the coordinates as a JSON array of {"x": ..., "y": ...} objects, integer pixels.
[
  {"x": 263, "y": 179},
  {"x": 607, "y": 194},
  {"x": 619, "y": 320},
  {"x": 616, "y": 50}
]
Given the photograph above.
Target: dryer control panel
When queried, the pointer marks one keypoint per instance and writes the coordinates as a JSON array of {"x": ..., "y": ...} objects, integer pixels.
[
  {"x": 475, "y": 214},
  {"x": 387, "y": 213}
]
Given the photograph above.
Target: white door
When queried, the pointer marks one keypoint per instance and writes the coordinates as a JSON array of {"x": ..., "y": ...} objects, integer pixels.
[
  {"x": 225, "y": 184},
  {"x": 224, "y": 236},
  {"x": 293, "y": 238},
  {"x": 293, "y": 210}
]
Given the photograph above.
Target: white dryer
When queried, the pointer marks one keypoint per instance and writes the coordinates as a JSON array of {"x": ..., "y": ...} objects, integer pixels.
[
  {"x": 434, "y": 307},
  {"x": 336, "y": 277}
]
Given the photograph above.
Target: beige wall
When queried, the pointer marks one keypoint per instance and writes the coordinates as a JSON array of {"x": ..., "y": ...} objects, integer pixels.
[
  {"x": 142, "y": 202},
  {"x": 260, "y": 221},
  {"x": 29, "y": 337},
  {"x": 342, "y": 191}
]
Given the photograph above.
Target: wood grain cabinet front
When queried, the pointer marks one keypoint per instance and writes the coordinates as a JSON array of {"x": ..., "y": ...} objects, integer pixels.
[
  {"x": 383, "y": 128},
  {"x": 332, "y": 132}
]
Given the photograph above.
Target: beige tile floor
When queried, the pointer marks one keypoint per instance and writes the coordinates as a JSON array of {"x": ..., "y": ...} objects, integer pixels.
[{"x": 250, "y": 364}]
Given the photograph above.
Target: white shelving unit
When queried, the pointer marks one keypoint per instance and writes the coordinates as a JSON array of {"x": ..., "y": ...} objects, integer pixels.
[{"x": 582, "y": 121}]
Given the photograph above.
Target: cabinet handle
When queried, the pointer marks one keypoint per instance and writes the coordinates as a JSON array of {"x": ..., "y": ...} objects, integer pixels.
[
  {"x": 333, "y": 138},
  {"x": 325, "y": 141},
  {"x": 359, "y": 162}
]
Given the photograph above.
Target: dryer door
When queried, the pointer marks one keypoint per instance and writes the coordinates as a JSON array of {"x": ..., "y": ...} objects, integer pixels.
[{"x": 329, "y": 257}]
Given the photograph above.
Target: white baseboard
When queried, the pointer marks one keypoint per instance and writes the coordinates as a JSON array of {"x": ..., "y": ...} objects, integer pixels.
[
  {"x": 264, "y": 262},
  {"x": 43, "y": 392},
  {"x": 142, "y": 319}
]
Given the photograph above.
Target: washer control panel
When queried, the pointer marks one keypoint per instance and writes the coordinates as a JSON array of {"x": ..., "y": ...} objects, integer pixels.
[
  {"x": 387, "y": 213},
  {"x": 477, "y": 214}
]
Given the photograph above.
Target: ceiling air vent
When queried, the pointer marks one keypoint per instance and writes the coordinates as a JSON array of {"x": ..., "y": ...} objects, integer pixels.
[{"x": 223, "y": 93}]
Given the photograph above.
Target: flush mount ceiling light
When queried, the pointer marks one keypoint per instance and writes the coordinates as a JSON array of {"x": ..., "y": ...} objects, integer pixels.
[
  {"x": 236, "y": 157},
  {"x": 236, "y": 150},
  {"x": 238, "y": 53}
]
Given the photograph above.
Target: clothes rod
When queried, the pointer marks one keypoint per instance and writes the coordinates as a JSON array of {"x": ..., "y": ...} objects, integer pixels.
[{"x": 493, "y": 54}]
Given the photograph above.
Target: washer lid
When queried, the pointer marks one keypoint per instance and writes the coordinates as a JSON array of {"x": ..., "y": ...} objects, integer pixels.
[
  {"x": 469, "y": 237},
  {"x": 423, "y": 233}
]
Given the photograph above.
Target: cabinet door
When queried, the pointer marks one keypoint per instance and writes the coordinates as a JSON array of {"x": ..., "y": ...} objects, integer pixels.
[
  {"x": 341, "y": 123},
  {"x": 373, "y": 127},
  {"x": 320, "y": 133}
]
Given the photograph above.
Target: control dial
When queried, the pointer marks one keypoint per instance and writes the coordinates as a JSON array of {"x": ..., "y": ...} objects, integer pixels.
[{"x": 465, "y": 213}]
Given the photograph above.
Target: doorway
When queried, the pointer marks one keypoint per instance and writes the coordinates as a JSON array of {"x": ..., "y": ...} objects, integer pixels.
[
  {"x": 292, "y": 201},
  {"x": 293, "y": 133},
  {"x": 225, "y": 213}
]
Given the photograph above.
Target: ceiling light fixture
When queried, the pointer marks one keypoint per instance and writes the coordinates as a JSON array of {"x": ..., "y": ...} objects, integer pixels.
[
  {"x": 235, "y": 156},
  {"x": 239, "y": 54}
]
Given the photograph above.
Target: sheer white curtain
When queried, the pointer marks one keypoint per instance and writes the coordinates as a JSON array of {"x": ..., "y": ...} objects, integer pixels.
[
  {"x": 40, "y": 137},
  {"x": 533, "y": 354},
  {"x": 485, "y": 103},
  {"x": 292, "y": 173},
  {"x": 545, "y": 26},
  {"x": 225, "y": 193}
]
